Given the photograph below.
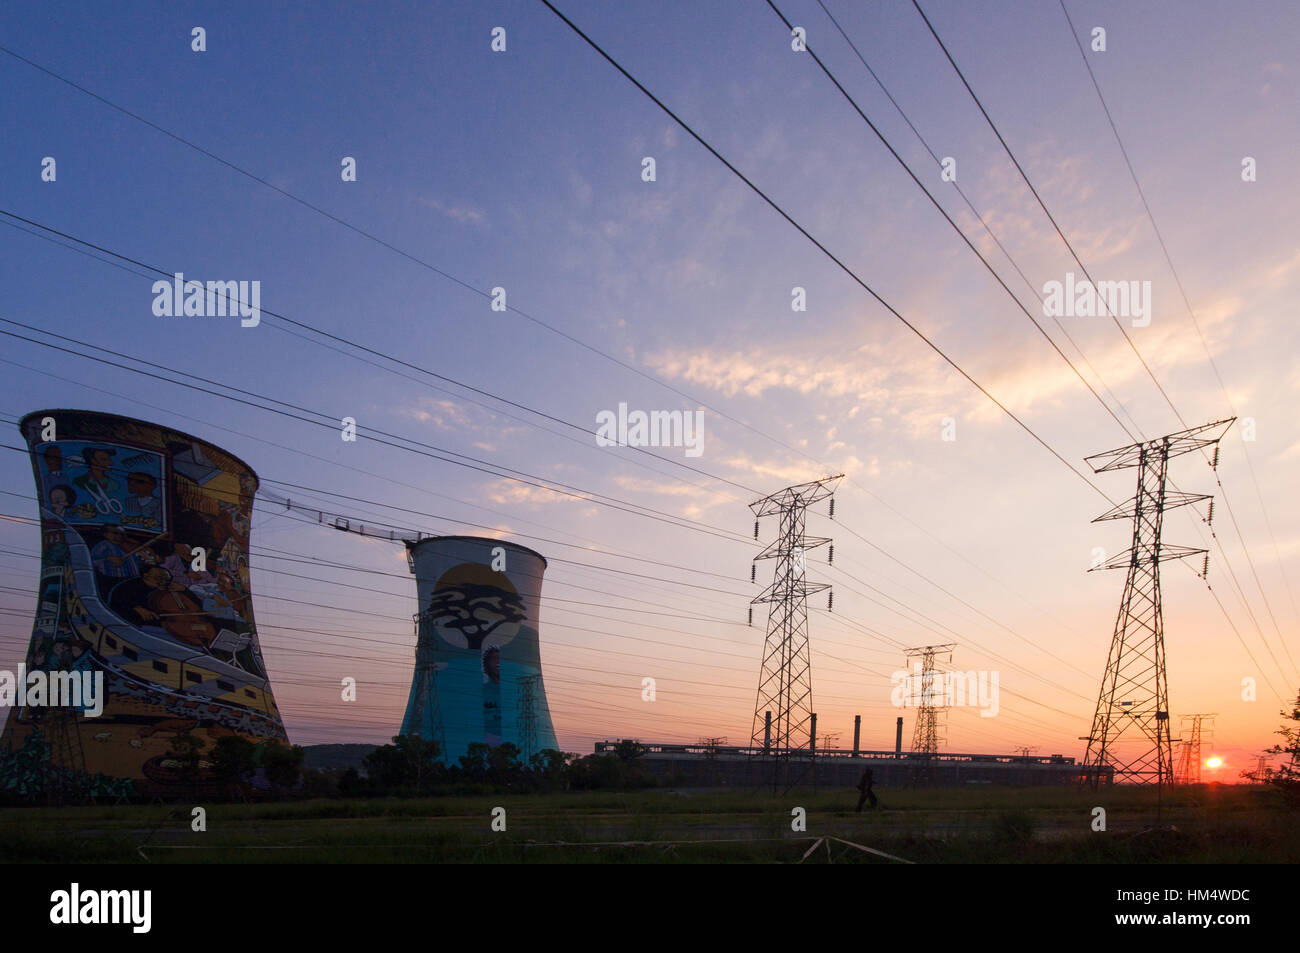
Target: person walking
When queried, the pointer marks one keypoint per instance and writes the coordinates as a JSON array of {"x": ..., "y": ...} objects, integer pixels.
[{"x": 865, "y": 787}]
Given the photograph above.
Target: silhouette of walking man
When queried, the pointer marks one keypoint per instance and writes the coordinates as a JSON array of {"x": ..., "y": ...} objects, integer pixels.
[{"x": 865, "y": 787}]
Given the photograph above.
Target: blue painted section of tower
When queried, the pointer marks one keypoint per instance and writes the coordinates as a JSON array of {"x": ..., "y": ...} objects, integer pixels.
[{"x": 478, "y": 671}]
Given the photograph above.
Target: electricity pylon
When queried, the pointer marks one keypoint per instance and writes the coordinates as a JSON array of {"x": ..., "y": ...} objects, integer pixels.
[
  {"x": 925, "y": 733},
  {"x": 423, "y": 713},
  {"x": 1189, "y": 767},
  {"x": 528, "y": 716},
  {"x": 66, "y": 766},
  {"x": 783, "y": 713},
  {"x": 1130, "y": 729},
  {"x": 1262, "y": 771}
]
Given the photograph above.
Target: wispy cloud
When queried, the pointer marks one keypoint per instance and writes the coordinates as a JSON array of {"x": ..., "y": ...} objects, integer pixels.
[
  {"x": 460, "y": 213},
  {"x": 441, "y": 413}
]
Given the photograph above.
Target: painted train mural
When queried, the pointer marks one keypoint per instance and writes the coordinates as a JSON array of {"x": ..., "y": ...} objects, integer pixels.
[
  {"x": 478, "y": 670},
  {"x": 145, "y": 578}
]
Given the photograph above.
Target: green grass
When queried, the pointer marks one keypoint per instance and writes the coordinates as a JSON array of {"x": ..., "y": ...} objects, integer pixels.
[{"x": 986, "y": 825}]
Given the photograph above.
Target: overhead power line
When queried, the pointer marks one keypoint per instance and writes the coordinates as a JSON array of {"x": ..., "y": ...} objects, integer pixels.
[
  {"x": 415, "y": 446},
  {"x": 395, "y": 249},
  {"x": 1082, "y": 267},
  {"x": 824, "y": 250},
  {"x": 1191, "y": 313}
]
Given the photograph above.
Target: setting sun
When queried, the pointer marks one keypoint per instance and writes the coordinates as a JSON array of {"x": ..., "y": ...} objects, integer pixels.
[{"x": 1214, "y": 763}]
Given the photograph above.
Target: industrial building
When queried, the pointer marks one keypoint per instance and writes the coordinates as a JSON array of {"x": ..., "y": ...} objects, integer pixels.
[{"x": 704, "y": 765}]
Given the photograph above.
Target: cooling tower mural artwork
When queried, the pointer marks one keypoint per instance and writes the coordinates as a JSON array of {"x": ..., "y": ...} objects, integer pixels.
[
  {"x": 478, "y": 670},
  {"x": 128, "y": 509}
]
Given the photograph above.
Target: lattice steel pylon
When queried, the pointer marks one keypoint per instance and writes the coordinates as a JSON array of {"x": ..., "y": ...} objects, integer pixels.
[
  {"x": 423, "y": 711},
  {"x": 67, "y": 759},
  {"x": 1262, "y": 771},
  {"x": 1130, "y": 728},
  {"x": 1189, "y": 765},
  {"x": 925, "y": 731},
  {"x": 528, "y": 716},
  {"x": 785, "y": 682}
]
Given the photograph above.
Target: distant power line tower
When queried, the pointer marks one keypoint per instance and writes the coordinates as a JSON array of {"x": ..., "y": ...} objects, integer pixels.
[
  {"x": 528, "y": 715},
  {"x": 1183, "y": 762},
  {"x": 423, "y": 713},
  {"x": 783, "y": 716},
  {"x": 67, "y": 758},
  {"x": 1130, "y": 729},
  {"x": 929, "y": 701},
  {"x": 1262, "y": 771},
  {"x": 1189, "y": 768}
]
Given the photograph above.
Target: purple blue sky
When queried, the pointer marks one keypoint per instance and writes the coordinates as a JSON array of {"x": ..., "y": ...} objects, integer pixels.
[{"x": 522, "y": 169}]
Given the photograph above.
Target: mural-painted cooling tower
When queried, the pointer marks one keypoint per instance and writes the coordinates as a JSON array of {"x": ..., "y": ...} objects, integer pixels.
[
  {"x": 125, "y": 505},
  {"x": 478, "y": 669}
]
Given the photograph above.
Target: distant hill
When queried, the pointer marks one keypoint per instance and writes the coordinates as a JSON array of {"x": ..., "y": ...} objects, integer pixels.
[{"x": 337, "y": 757}]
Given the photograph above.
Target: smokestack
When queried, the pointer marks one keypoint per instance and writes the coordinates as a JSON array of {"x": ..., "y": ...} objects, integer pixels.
[
  {"x": 857, "y": 733},
  {"x": 898, "y": 736},
  {"x": 767, "y": 731},
  {"x": 812, "y": 734}
]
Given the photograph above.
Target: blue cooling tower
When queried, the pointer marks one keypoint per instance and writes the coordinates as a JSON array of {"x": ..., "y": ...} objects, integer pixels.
[{"x": 478, "y": 668}]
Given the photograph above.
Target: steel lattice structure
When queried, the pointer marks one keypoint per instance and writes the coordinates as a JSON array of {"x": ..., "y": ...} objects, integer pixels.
[
  {"x": 423, "y": 711},
  {"x": 925, "y": 732},
  {"x": 1190, "y": 763},
  {"x": 785, "y": 682},
  {"x": 1130, "y": 729},
  {"x": 528, "y": 716}
]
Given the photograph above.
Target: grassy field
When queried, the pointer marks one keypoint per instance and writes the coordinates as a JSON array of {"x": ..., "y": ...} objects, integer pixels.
[{"x": 1210, "y": 824}]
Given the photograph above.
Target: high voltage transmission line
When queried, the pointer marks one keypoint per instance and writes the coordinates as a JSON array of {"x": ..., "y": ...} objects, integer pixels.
[
  {"x": 562, "y": 625},
  {"x": 103, "y": 100},
  {"x": 1191, "y": 313},
  {"x": 858, "y": 280},
  {"x": 694, "y": 585},
  {"x": 295, "y": 416},
  {"x": 980, "y": 218},
  {"x": 361, "y": 347},
  {"x": 1114, "y": 318},
  {"x": 159, "y": 271},
  {"x": 1232, "y": 574},
  {"x": 354, "y": 228},
  {"x": 1134, "y": 697},
  {"x": 942, "y": 211},
  {"x": 631, "y": 368},
  {"x": 389, "y": 246},
  {"x": 916, "y": 180},
  {"x": 838, "y": 262},
  {"x": 695, "y": 571},
  {"x": 698, "y": 617},
  {"x": 391, "y": 530},
  {"x": 560, "y": 581},
  {"x": 330, "y": 422},
  {"x": 783, "y": 712},
  {"x": 925, "y": 728}
]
